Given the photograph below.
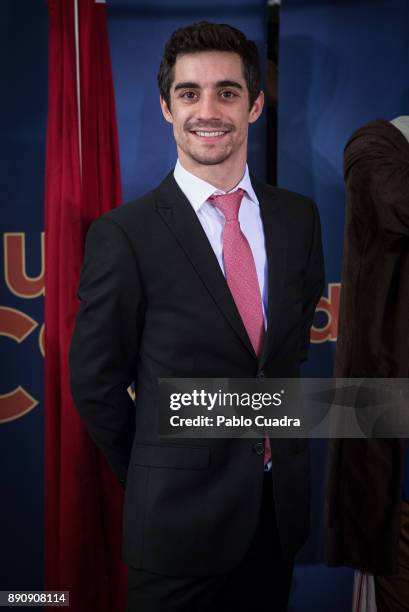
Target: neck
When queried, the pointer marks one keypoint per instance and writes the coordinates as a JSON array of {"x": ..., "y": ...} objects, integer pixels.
[{"x": 224, "y": 176}]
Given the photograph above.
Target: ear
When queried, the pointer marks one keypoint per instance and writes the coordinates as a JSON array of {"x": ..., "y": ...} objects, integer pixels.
[
  {"x": 257, "y": 108},
  {"x": 165, "y": 110}
]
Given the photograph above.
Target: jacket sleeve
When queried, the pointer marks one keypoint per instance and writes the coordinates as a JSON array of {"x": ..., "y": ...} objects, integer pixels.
[
  {"x": 313, "y": 282},
  {"x": 105, "y": 343}
]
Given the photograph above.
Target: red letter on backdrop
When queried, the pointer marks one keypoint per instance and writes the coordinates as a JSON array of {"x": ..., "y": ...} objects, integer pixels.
[{"x": 330, "y": 307}]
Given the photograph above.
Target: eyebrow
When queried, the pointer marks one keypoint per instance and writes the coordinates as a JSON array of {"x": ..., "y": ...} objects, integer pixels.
[{"x": 192, "y": 85}]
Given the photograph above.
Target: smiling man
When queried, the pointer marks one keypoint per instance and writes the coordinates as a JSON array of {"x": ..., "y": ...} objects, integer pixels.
[
  {"x": 212, "y": 274},
  {"x": 211, "y": 143}
]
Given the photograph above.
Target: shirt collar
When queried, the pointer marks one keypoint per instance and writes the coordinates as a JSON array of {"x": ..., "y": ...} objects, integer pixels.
[{"x": 199, "y": 191}]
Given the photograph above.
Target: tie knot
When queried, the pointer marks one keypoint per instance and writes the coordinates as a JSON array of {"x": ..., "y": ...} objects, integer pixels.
[{"x": 228, "y": 203}]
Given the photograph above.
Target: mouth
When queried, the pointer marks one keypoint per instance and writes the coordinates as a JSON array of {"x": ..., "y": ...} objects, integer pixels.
[{"x": 210, "y": 135}]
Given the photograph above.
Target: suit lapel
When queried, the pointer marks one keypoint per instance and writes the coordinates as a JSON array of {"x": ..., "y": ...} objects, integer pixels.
[
  {"x": 182, "y": 221},
  {"x": 276, "y": 252}
]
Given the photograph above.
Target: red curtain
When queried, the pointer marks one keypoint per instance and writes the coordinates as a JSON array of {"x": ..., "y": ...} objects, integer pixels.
[{"x": 83, "y": 502}]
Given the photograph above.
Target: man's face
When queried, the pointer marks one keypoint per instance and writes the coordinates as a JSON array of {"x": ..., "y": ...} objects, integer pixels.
[{"x": 209, "y": 108}]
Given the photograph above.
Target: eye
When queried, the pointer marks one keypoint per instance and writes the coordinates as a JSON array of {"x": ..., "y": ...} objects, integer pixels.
[
  {"x": 188, "y": 95},
  {"x": 228, "y": 94}
]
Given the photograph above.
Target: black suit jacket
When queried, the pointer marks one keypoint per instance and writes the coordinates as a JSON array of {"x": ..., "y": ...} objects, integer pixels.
[{"x": 154, "y": 303}]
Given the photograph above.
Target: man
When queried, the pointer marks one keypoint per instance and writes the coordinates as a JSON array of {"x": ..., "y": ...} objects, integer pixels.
[
  {"x": 367, "y": 516},
  {"x": 170, "y": 288}
]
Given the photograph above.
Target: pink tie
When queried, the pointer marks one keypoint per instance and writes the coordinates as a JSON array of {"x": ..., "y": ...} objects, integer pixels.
[{"x": 241, "y": 275}]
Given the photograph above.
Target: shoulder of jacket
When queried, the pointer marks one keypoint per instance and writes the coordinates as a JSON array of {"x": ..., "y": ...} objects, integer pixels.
[
  {"x": 281, "y": 195},
  {"x": 132, "y": 210},
  {"x": 294, "y": 197}
]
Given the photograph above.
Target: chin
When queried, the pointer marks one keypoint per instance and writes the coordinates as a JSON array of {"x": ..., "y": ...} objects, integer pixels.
[{"x": 210, "y": 160}]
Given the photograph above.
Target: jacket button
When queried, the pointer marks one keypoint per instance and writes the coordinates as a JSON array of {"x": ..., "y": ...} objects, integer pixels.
[
  {"x": 258, "y": 448},
  {"x": 261, "y": 374}
]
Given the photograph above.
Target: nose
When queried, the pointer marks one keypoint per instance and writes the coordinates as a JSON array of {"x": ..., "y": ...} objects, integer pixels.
[{"x": 209, "y": 108}]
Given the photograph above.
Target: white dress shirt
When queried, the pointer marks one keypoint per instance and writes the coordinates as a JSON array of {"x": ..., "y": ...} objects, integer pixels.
[{"x": 198, "y": 192}]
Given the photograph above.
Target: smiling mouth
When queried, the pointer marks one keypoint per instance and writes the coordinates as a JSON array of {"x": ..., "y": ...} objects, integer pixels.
[{"x": 210, "y": 134}]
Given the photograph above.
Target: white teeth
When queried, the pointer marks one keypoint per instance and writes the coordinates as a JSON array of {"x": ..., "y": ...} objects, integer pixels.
[{"x": 210, "y": 134}]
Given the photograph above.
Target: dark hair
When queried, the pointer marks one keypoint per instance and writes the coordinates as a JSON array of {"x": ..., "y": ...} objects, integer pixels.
[{"x": 205, "y": 36}]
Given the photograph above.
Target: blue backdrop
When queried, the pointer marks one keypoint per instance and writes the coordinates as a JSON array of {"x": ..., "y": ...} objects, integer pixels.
[
  {"x": 342, "y": 63},
  {"x": 23, "y": 110}
]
